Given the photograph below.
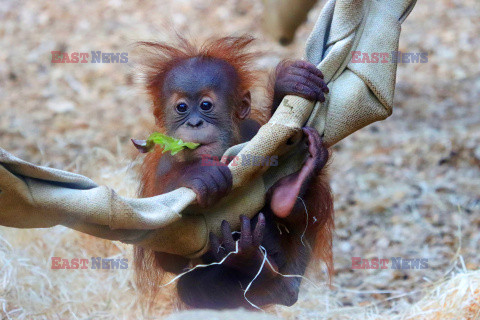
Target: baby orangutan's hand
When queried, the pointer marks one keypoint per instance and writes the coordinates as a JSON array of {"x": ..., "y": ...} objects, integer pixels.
[
  {"x": 249, "y": 257},
  {"x": 210, "y": 183}
]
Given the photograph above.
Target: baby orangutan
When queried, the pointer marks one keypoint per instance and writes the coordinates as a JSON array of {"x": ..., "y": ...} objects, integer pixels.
[{"x": 203, "y": 96}]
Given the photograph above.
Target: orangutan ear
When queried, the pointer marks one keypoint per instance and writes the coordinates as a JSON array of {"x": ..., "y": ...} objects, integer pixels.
[{"x": 244, "y": 108}]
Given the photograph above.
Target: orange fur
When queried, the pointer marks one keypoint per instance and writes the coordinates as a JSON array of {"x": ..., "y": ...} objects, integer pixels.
[
  {"x": 319, "y": 201},
  {"x": 161, "y": 57}
]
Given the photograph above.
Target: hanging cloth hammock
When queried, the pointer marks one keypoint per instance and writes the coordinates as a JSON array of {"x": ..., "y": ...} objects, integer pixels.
[{"x": 360, "y": 93}]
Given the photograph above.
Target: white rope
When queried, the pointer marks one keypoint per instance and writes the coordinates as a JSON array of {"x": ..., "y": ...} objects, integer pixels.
[
  {"x": 306, "y": 225},
  {"x": 201, "y": 266},
  {"x": 265, "y": 260},
  {"x": 256, "y": 276}
]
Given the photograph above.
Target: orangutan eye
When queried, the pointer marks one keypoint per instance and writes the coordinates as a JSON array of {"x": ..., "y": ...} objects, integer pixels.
[
  {"x": 206, "y": 106},
  {"x": 181, "y": 108}
]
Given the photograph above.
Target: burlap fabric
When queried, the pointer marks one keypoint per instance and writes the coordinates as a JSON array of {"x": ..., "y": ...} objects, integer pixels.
[{"x": 360, "y": 93}]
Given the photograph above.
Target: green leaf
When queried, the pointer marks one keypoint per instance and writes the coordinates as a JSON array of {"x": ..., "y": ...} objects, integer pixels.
[{"x": 166, "y": 142}]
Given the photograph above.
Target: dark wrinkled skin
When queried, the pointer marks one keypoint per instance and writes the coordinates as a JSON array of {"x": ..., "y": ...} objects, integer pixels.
[
  {"x": 299, "y": 78},
  {"x": 283, "y": 194},
  {"x": 209, "y": 183},
  {"x": 191, "y": 84},
  {"x": 220, "y": 286}
]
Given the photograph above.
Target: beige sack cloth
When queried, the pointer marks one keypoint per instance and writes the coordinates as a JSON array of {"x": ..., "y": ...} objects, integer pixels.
[{"x": 360, "y": 93}]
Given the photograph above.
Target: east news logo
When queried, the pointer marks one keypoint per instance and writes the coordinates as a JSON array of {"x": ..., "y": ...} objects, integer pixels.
[
  {"x": 96, "y": 263},
  {"x": 83, "y": 57},
  {"x": 396, "y": 263}
]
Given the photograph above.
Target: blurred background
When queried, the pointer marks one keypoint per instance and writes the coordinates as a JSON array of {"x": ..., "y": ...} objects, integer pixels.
[{"x": 406, "y": 187}]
